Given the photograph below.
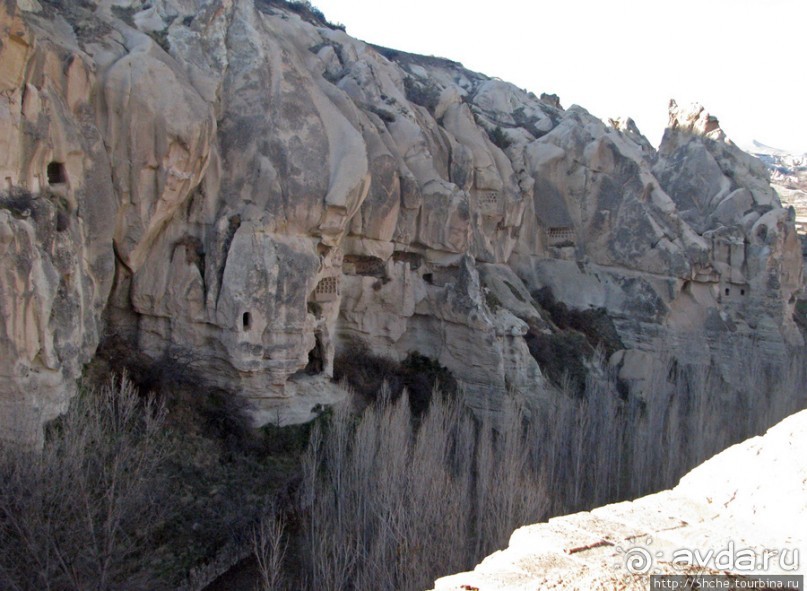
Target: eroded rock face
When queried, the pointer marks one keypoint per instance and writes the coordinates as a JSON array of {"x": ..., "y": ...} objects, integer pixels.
[
  {"x": 789, "y": 179},
  {"x": 57, "y": 216},
  {"x": 262, "y": 188}
]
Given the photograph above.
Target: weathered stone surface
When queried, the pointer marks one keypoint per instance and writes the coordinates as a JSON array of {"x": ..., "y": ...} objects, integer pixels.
[
  {"x": 262, "y": 188},
  {"x": 789, "y": 179},
  {"x": 700, "y": 169},
  {"x": 56, "y": 220}
]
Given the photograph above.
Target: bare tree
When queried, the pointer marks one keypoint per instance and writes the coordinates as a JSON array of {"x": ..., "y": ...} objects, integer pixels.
[
  {"x": 269, "y": 548},
  {"x": 394, "y": 503},
  {"x": 79, "y": 513}
]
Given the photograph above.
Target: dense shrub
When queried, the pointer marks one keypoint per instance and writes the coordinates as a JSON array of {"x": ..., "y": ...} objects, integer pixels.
[
  {"x": 565, "y": 353},
  {"x": 307, "y": 11},
  {"x": 18, "y": 201},
  {"x": 383, "y": 114},
  {"x": 369, "y": 374},
  {"x": 561, "y": 356},
  {"x": 423, "y": 93},
  {"x": 499, "y": 138},
  {"x": 594, "y": 323}
]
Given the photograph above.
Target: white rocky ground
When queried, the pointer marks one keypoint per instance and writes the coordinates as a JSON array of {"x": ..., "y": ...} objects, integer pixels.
[{"x": 751, "y": 497}]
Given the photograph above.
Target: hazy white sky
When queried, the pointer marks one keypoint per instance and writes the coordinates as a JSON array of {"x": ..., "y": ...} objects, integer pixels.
[{"x": 743, "y": 60}]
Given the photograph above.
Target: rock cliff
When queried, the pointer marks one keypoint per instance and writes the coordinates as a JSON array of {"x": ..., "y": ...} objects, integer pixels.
[{"x": 241, "y": 183}]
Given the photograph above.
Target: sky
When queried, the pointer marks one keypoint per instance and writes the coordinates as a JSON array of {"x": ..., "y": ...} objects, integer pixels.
[{"x": 743, "y": 60}]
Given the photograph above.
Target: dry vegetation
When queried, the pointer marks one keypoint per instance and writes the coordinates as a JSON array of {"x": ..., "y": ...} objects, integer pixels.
[
  {"x": 187, "y": 476},
  {"x": 392, "y": 500},
  {"x": 81, "y": 512},
  {"x": 128, "y": 495},
  {"x": 389, "y": 503}
]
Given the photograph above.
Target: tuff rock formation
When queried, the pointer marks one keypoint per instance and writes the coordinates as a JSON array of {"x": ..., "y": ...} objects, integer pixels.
[
  {"x": 237, "y": 182},
  {"x": 788, "y": 177}
]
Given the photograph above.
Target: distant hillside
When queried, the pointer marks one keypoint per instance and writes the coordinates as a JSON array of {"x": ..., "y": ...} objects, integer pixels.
[{"x": 788, "y": 177}]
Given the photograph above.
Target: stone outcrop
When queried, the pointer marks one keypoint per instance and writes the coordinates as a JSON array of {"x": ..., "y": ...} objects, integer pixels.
[
  {"x": 747, "y": 503},
  {"x": 789, "y": 178},
  {"x": 239, "y": 183}
]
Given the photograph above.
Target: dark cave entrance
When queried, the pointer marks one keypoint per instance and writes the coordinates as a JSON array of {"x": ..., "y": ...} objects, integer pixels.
[
  {"x": 316, "y": 357},
  {"x": 57, "y": 175}
]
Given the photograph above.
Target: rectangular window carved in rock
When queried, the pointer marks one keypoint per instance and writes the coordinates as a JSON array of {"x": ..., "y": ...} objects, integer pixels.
[
  {"x": 489, "y": 202},
  {"x": 364, "y": 265},
  {"x": 561, "y": 236},
  {"x": 326, "y": 290},
  {"x": 413, "y": 259}
]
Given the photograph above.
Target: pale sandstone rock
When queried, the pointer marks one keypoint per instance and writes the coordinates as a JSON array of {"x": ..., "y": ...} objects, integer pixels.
[
  {"x": 269, "y": 189},
  {"x": 57, "y": 219}
]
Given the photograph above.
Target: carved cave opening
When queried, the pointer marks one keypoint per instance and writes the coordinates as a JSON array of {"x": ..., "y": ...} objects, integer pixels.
[
  {"x": 57, "y": 175},
  {"x": 316, "y": 357},
  {"x": 414, "y": 260},
  {"x": 727, "y": 291},
  {"x": 315, "y": 309},
  {"x": 441, "y": 276},
  {"x": 246, "y": 320},
  {"x": 561, "y": 236},
  {"x": 327, "y": 290},
  {"x": 368, "y": 266},
  {"x": 489, "y": 200}
]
